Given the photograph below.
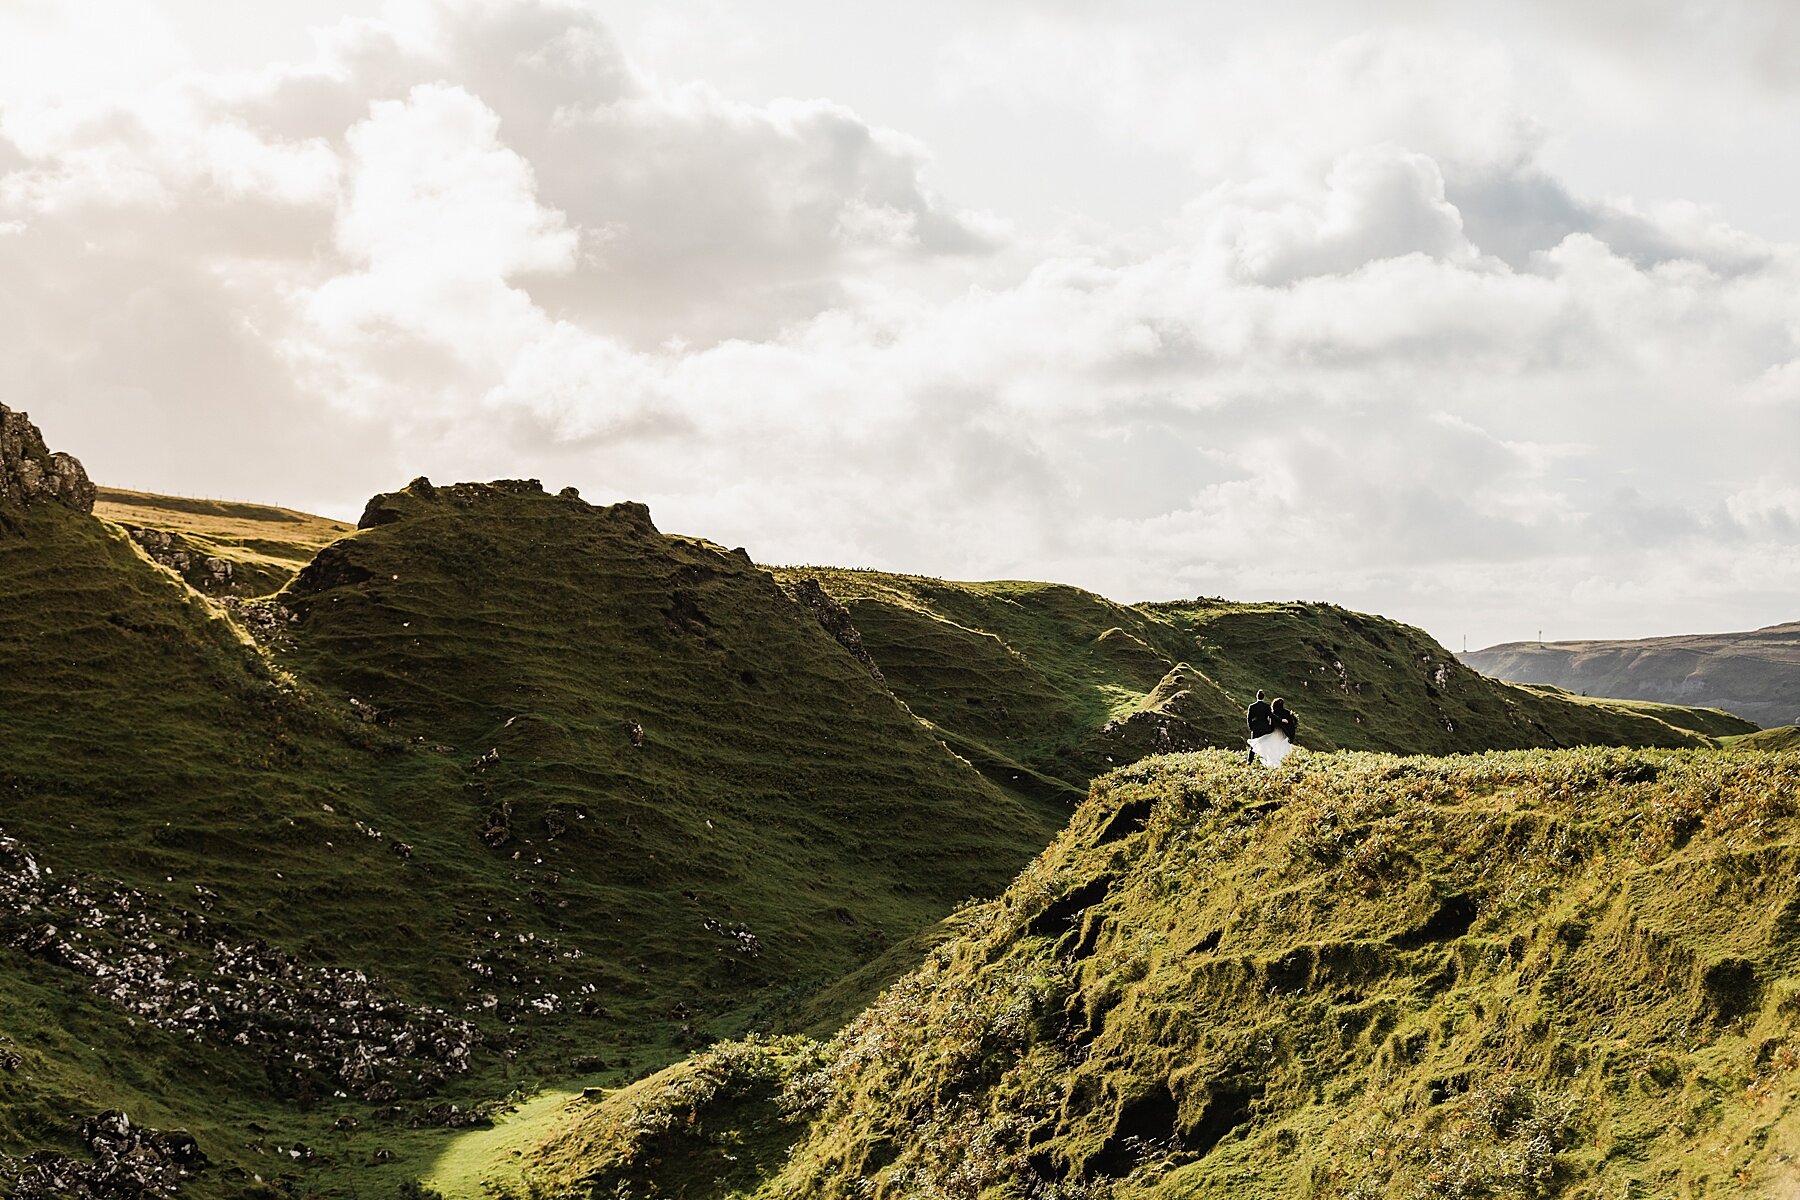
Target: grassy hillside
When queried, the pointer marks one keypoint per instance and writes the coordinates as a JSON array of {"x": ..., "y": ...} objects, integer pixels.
[
  {"x": 1044, "y": 686},
  {"x": 652, "y": 717},
  {"x": 187, "y": 861},
  {"x": 1786, "y": 737},
  {"x": 503, "y": 791},
  {"x": 1755, "y": 675},
  {"x": 220, "y": 547},
  {"x": 1528, "y": 974},
  {"x": 235, "y": 902}
]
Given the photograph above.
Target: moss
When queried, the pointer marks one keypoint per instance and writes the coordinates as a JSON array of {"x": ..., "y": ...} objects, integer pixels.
[
  {"x": 768, "y": 835},
  {"x": 1557, "y": 995}
]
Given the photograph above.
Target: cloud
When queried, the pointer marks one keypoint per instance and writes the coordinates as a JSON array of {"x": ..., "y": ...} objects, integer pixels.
[
  {"x": 1376, "y": 202},
  {"x": 1383, "y": 356}
]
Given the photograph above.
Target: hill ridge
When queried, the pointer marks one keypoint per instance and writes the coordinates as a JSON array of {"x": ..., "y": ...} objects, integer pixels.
[
  {"x": 1755, "y": 673},
  {"x": 1518, "y": 974}
]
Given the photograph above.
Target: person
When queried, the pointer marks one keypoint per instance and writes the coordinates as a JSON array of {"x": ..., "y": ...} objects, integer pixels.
[
  {"x": 1278, "y": 743},
  {"x": 1285, "y": 720},
  {"x": 1261, "y": 719}
]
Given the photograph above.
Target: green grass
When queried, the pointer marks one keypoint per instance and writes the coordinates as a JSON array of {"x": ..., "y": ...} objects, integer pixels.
[
  {"x": 649, "y": 801},
  {"x": 1525, "y": 974},
  {"x": 779, "y": 794},
  {"x": 1044, "y": 686},
  {"x": 265, "y": 546},
  {"x": 1784, "y": 737}
]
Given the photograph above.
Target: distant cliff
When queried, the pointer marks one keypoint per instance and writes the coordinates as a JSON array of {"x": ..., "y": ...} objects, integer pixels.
[{"x": 1755, "y": 675}]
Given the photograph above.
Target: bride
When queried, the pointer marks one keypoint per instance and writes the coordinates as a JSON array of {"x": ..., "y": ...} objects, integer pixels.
[{"x": 1278, "y": 743}]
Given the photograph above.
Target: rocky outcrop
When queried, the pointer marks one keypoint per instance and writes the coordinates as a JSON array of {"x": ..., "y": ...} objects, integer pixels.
[
  {"x": 130, "y": 1162},
  {"x": 31, "y": 474},
  {"x": 835, "y": 619},
  {"x": 206, "y": 573}
]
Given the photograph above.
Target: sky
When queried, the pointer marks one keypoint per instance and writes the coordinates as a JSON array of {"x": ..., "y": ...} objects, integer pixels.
[{"x": 1486, "y": 318}]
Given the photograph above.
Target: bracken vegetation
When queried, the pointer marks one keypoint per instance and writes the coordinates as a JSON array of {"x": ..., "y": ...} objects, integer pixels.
[{"x": 1514, "y": 975}]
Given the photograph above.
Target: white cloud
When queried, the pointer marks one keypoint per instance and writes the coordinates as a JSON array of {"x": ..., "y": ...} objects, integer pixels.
[{"x": 1384, "y": 355}]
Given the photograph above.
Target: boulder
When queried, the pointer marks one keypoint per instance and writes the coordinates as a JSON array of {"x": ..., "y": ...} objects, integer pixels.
[{"x": 31, "y": 474}]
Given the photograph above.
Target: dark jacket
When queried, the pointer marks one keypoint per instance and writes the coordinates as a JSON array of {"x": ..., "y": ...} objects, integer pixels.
[
  {"x": 1287, "y": 722},
  {"x": 1261, "y": 718}
]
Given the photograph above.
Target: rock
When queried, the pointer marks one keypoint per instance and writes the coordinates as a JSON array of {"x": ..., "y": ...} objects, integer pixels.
[
  {"x": 31, "y": 474},
  {"x": 314, "y": 1026},
  {"x": 834, "y": 618},
  {"x": 205, "y": 573},
  {"x": 130, "y": 1161}
]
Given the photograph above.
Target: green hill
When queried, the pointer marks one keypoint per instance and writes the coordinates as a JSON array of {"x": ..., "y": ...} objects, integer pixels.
[
  {"x": 1755, "y": 675},
  {"x": 1044, "y": 686},
  {"x": 1786, "y": 737},
  {"x": 573, "y": 798},
  {"x": 504, "y": 791},
  {"x": 220, "y": 547},
  {"x": 1528, "y": 974}
]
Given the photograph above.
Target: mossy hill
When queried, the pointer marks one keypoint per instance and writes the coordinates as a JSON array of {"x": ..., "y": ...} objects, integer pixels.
[
  {"x": 220, "y": 547},
  {"x": 1525, "y": 974},
  {"x": 1044, "y": 686},
  {"x": 1785, "y": 737},
  {"x": 1755, "y": 675},
  {"x": 602, "y": 795}
]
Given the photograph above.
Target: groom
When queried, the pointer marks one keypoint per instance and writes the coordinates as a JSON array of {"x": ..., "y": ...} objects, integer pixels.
[{"x": 1262, "y": 720}]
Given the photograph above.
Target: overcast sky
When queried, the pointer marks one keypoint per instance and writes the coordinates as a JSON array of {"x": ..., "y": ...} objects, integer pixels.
[{"x": 1483, "y": 317}]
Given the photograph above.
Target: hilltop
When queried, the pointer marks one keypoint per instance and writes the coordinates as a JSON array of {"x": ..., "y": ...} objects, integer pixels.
[
  {"x": 1755, "y": 675},
  {"x": 1527, "y": 974},
  {"x": 1044, "y": 686}
]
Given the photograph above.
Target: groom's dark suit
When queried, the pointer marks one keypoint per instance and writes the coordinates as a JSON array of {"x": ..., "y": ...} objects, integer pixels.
[{"x": 1261, "y": 718}]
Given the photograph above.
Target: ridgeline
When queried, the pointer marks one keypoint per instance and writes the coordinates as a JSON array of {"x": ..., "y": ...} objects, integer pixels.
[{"x": 1755, "y": 675}]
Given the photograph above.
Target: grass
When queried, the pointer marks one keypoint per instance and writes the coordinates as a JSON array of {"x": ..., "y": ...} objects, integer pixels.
[
  {"x": 1044, "y": 686},
  {"x": 1524, "y": 974},
  {"x": 1784, "y": 737},
  {"x": 605, "y": 793},
  {"x": 767, "y": 837},
  {"x": 265, "y": 546}
]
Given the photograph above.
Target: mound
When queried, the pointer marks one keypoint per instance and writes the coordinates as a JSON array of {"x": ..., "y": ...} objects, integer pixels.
[
  {"x": 1755, "y": 675},
  {"x": 1786, "y": 737},
  {"x": 653, "y": 718},
  {"x": 1044, "y": 686},
  {"x": 1524, "y": 974}
]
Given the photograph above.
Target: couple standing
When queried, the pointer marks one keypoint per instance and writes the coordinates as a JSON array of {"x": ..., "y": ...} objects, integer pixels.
[{"x": 1272, "y": 729}]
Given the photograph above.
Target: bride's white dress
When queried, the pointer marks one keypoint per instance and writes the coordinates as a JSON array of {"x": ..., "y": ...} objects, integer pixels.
[{"x": 1272, "y": 747}]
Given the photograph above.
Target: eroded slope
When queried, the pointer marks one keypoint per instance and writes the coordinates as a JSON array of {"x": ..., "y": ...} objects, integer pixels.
[
  {"x": 1533, "y": 974},
  {"x": 1044, "y": 686}
]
